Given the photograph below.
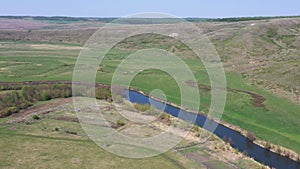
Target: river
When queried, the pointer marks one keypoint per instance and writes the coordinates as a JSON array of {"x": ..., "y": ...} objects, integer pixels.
[{"x": 240, "y": 142}]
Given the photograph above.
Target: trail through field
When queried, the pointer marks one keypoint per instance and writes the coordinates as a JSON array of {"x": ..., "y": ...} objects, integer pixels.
[{"x": 42, "y": 109}]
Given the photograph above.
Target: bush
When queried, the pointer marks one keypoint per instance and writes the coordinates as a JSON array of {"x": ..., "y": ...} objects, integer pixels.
[
  {"x": 45, "y": 96},
  {"x": 103, "y": 93},
  {"x": 71, "y": 132},
  {"x": 279, "y": 151},
  {"x": 35, "y": 117},
  {"x": 268, "y": 146},
  {"x": 5, "y": 112},
  {"x": 8, "y": 111},
  {"x": 251, "y": 136},
  {"x": 67, "y": 93},
  {"x": 121, "y": 123},
  {"x": 28, "y": 93},
  {"x": 142, "y": 108},
  {"x": 25, "y": 104},
  {"x": 196, "y": 129}
]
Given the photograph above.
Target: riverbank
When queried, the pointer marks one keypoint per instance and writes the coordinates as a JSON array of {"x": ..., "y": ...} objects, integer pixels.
[
  {"x": 282, "y": 151},
  {"x": 273, "y": 148}
]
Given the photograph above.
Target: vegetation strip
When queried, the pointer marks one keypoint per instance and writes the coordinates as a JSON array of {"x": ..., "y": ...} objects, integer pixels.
[{"x": 32, "y": 96}]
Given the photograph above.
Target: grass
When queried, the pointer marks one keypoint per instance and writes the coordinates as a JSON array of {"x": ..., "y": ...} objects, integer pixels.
[
  {"x": 51, "y": 143},
  {"x": 39, "y": 103},
  {"x": 25, "y": 66},
  {"x": 277, "y": 123},
  {"x": 56, "y": 142},
  {"x": 70, "y": 153},
  {"x": 200, "y": 155}
]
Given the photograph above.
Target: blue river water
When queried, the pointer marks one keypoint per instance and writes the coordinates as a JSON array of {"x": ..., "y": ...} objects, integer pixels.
[{"x": 239, "y": 141}]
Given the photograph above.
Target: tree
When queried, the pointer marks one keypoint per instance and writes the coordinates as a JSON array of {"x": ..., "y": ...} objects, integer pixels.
[
  {"x": 45, "y": 96},
  {"x": 27, "y": 93}
]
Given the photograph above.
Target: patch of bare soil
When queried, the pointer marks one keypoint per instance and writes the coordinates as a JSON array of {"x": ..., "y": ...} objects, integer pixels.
[
  {"x": 64, "y": 118},
  {"x": 257, "y": 100},
  {"x": 197, "y": 157},
  {"x": 43, "y": 109},
  {"x": 53, "y": 47},
  {"x": 194, "y": 84}
]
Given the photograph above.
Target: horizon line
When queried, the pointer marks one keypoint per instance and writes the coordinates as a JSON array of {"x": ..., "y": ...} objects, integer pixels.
[{"x": 186, "y": 17}]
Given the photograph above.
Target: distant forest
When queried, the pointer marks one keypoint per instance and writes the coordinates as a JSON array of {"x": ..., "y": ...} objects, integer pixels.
[{"x": 63, "y": 19}]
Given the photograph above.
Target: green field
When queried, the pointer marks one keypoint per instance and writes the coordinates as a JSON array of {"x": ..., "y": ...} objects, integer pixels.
[
  {"x": 54, "y": 141},
  {"x": 277, "y": 122},
  {"x": 261, "y": 57}
]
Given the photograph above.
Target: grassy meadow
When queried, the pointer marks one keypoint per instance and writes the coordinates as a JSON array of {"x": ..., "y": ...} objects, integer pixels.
[
  {"x": 260, "y": 57},
  {"x": 276, "y": 122},
  {"x": 56, "y": 141}
]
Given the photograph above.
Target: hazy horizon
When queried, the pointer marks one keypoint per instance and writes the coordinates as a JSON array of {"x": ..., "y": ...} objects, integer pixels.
[
  {"x": 113, "y": 17},
  {"x": 182, "y": 9}
]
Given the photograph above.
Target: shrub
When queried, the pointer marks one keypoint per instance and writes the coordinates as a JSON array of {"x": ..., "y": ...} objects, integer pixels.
[
  {"x": 196, "y": 129},
  {"x": 45, "y": 96},
  {"x": 13, "y": 109},
  {"x": 164, "y": 116},
  {"x": 251, "y": 136},
  {"x": 279, "y": 150},
  {"x": 5, "y": 112},
  {"x": 35, "y": 117},
  {"x": 71, "y": 132},
  {"x": 287, "y": 154},
  {"x": 103, "y": 93},
  {"x": 8, "y": 111},
  {"x": 28, "y": 93},
  {"x": 24, "y": 104},
  {"x": 268, "y": 146},
  {"x": 121, "y": 123},
  {"x": 67, "y": 93},
  {"x": 141, "y": 107},
  {"x": 228, "y": 148}
]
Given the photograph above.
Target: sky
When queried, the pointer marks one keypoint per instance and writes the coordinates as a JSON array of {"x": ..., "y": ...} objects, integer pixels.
[{"x": 180, "y": 8}]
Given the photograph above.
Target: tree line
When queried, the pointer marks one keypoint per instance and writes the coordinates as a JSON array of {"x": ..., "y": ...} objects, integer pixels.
[{"x": 21, "y": 97}]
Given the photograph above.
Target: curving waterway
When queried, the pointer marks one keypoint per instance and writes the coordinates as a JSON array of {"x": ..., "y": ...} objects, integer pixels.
[{"x": 239, "y": 141}]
